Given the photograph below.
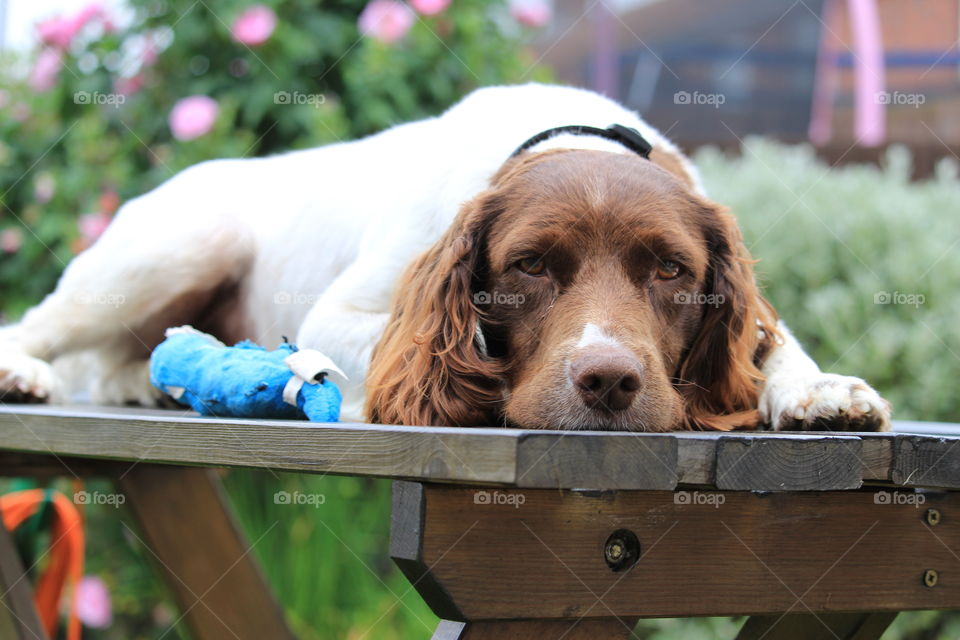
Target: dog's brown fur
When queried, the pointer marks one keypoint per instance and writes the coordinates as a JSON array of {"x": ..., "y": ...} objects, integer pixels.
[{"x": 604, "y": 225}]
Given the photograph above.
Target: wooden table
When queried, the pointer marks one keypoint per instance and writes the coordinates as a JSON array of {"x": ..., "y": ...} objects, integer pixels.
[{"x": 512, "y": 534}]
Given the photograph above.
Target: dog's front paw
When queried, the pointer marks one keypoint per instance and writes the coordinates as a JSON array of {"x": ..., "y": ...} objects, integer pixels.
[
  {"x": 25, "y": 379},
  {"x": 824, "y": 401}
]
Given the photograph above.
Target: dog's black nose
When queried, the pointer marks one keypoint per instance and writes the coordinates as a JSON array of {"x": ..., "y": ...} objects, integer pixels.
[{"x": 606, "y": 377}]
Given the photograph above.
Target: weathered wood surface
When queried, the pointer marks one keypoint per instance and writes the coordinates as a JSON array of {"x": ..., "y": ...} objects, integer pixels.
[
  {"x": 480, "y": 554},
  {"x": 19, "y": 619},
  {"x": 826, "y": 626},
  {"x": 759, "y": 461},
  {"x": 586, "y": 629},
  {"x": 207, "y": 563}
]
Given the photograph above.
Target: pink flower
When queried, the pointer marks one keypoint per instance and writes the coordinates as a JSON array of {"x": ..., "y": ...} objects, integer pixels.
[
  {"x": 149, "y": 54},
  {"x": 93, "y": 603},
  {"x": 531, "y": 13},
  {"x": 128, "y": 86},
  {"x": 92, "y": 226},
  {"x": 59, "y": 31},
  {"x": 254, "y": 26},
  {"x": 385, "y": 20},
  {"x": 11, "y": 240},
  {"x": 46, "y": 70},
  {"x": 56, "y": 32},
  {"x": 430, "y": 7},
  {"x": 193, "y": 117}
]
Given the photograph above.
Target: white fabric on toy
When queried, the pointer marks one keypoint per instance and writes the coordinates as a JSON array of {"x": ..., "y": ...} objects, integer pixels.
[
  {"x": 175, "y": 392},
  {"x": 309, "y": 364},
  {"x": 291, "y": 389}
]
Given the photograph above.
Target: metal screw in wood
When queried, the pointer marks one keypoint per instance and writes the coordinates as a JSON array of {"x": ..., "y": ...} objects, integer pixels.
[
  {"x": 930, "y": 577},
  {"x": 933, "y": 517}
]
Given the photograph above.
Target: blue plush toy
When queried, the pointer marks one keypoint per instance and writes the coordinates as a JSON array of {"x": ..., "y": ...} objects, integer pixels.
[{"x": 246, "y": 380}]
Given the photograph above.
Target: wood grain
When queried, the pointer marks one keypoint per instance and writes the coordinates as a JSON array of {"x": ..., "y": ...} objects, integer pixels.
[
  {"x": 587, "y": 629},
  {"x": 206, "y": 561},
  {"x": 462, "y": 455},
  {"x": 720, "y": 553},
  {"x": 593, "y": 461},
  {"x": 920, "y": 461},
  {"x": 598, "y": 461},
  {"x": 825, "y": 626},
  {"x": 18, "y": 615},
  {"x": 799, "y": 463}
]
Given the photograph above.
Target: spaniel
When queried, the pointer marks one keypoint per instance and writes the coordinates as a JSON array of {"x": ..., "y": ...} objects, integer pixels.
[{"x": 582, "y": 281}]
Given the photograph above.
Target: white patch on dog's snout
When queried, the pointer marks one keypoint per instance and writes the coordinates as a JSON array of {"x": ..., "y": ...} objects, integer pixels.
[{"x": 593, "y": 334}]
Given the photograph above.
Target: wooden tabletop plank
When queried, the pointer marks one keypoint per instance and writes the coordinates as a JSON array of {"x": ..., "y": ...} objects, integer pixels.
[
  {"x": 446, "y": 455},
  {"x": 800, "y": 463},
  {"x": 760, "y": 461},
  {"x": 583, "y": 460},
  {"x": 926, "y": 461}
]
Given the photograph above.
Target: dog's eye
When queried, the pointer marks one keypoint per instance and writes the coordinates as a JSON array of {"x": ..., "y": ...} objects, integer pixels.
[
  {"x": 668, "y": 270},
  {"x": 533, "y": 266}
]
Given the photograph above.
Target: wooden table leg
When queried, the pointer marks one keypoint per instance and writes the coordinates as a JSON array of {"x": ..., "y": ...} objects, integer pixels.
[
  {"x": 823, "y": 626},
  {"x": 206, "y": 560},
  {"x": 586, "y": 629},
  {"x": 18, "y": 615}
]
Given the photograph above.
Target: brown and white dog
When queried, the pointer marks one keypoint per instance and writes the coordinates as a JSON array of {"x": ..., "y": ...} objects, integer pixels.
[{"x": 576, "y": 284}]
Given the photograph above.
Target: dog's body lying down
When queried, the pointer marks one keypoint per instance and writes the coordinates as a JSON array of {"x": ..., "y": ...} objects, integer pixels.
[{"x": 575, "y": 285}]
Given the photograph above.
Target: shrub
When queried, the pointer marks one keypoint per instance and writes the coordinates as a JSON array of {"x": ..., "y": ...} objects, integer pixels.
[
  {"x": 92, "y": 127},
  {"x": 861, "y": 263}
]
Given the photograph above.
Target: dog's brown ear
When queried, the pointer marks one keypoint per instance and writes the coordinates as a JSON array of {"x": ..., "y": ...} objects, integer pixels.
[
  {"x": 429, "y": 368},
  {"x": 719, "y": 373}
]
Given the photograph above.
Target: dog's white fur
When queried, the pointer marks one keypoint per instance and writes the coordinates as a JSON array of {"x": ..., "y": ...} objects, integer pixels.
[{"x": 316, "y": 240}]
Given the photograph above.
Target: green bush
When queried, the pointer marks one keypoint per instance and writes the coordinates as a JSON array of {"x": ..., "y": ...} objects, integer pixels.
[
  {"x": 100, "y": 129},
  {"x": 861, "y": 263}
]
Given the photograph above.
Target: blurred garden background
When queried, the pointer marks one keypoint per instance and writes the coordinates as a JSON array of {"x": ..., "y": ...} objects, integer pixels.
[{"x": 105, "y": 101}]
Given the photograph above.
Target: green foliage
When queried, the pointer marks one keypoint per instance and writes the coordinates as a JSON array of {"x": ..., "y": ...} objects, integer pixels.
[
  {"x": 861, "y": 264},
  {"x": 338, "y": 85},
  {"x": 327, "y": 557},
  {"x": 828, "y": 240}
]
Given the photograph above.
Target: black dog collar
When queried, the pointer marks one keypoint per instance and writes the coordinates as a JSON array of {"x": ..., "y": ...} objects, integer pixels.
[{"x": 629, "y": 138}]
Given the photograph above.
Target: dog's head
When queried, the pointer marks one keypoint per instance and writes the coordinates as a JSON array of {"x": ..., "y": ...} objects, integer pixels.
[{"x": 583, "y": 290}]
